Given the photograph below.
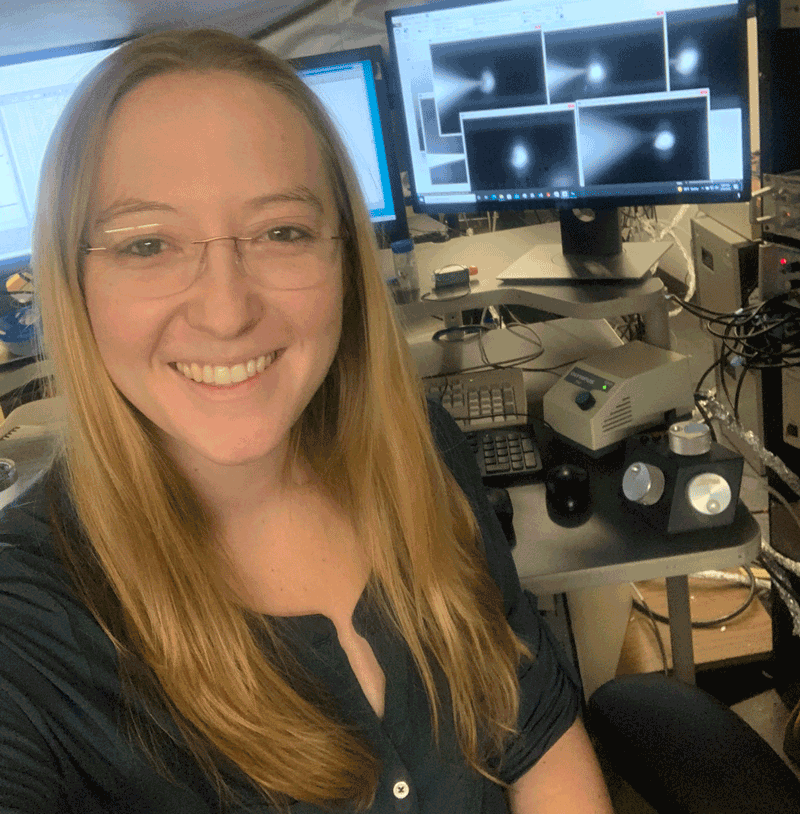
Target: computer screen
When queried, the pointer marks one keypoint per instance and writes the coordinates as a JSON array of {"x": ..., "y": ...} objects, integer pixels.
[
  {"x": 350, "y": 85},
  {"x": 517, "y": 104},
  {"x": 34, "y": 89}
]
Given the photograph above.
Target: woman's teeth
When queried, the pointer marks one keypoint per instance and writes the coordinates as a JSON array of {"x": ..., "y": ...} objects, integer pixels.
[{"x": 220, "y": 375}]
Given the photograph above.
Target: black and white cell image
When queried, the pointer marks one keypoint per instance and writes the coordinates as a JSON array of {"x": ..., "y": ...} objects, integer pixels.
[
  {"x": 530, "y": 151},
  {"x": 705, "y": 47},
  {"x": 609, "y": 60},
  {"x": 448, "y": 172},
  {"x": 435, "y": 144},
  {"x": 663, "y": 140},
  {"x": 486, "y": 74}
]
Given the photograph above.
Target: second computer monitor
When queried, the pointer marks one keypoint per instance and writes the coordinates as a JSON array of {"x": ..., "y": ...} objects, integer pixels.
[{"x": 350, "y": 85}]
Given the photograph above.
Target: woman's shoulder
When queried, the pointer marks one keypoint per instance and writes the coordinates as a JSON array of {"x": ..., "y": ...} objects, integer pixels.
[
  {"x": 448, "y": 436},
  {"x": 445, "y": 431},
  {"x": 34, "y": 588},
  {"x": 26, "y": 527},
  {"x": 455, "y": 450}
]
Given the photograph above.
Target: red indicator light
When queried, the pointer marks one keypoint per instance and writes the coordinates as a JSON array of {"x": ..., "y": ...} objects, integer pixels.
[{"x": 784, "y": 261}]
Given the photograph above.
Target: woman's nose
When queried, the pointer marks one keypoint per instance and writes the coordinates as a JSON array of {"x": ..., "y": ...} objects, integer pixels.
[{"x": 223, "y": 299}]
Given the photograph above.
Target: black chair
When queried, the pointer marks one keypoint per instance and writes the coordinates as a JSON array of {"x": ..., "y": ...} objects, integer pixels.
[{"x": 684, "y": 751}]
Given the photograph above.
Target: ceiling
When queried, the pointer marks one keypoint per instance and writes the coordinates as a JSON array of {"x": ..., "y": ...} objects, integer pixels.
[{"x": 33, "y": 25}]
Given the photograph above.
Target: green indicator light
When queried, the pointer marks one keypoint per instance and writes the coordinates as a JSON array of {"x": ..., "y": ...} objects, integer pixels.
[{"x": 605, "y": 387}]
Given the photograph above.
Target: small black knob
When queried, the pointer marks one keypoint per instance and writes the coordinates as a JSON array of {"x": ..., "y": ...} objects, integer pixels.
[{"x": 585, "y": 400}]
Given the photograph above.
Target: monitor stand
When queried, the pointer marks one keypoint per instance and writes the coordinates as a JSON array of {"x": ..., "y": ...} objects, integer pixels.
[{"x": 591, "y": 251}]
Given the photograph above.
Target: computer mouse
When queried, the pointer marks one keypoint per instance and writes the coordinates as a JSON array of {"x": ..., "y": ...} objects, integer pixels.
[
  {"x": 567, "y": 489},
  {"x": 500, "y": 501}
]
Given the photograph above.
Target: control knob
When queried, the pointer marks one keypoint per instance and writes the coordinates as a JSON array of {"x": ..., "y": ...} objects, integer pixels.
[
  {"x": 585, "y": 400},
  {"x": 643, "y": 483}
]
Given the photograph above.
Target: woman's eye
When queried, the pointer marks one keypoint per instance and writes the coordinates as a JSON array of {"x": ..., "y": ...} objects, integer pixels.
[
  {"x": 285, "y": 234},
  {"x": 144, "y": 247}
]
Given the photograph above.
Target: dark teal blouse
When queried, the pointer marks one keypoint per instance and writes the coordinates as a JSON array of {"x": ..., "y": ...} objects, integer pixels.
[{"x": 63, "y": 751}]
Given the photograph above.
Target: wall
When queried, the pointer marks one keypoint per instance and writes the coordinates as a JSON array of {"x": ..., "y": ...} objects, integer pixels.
[{"x": 336, "y": 26}]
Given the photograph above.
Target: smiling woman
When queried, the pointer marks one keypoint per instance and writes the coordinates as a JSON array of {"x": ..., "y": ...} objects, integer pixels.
[{"x": 262, "y": 571}]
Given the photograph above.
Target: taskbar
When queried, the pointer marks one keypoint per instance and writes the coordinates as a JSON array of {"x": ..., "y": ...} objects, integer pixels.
[{"x": 672, "y": 188}]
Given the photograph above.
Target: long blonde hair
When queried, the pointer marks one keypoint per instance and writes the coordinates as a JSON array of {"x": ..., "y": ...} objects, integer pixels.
[{"x": 141, "y": 549}]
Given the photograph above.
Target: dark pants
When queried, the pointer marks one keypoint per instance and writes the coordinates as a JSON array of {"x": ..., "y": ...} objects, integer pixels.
[{"x": 684, "y": 751}]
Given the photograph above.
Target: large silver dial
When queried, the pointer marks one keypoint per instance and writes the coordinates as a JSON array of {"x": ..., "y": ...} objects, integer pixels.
[
  {"x": 643, "y": 483},
  {"x": 709, "y": 493},
  {"x": 690, "y": 438}
]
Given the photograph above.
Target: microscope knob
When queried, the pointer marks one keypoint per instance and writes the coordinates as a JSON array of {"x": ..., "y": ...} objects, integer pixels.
[
  {"x": 643, "y": 483},
  {"x": 585, "y": 400},
  {"x": 8, "y": 473},
  {"x": 689, "y": 438},
  {"x": 709, "y": 493}
]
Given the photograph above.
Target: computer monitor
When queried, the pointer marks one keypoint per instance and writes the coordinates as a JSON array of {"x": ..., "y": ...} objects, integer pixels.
[
  {"x": 351, "y": 86},
  {"x": 34, "y": 89},
  {"x": 595, "y": 104}
]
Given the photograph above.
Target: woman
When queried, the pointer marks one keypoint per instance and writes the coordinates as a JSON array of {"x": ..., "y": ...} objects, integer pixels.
[{"x": 250, "y": 579}]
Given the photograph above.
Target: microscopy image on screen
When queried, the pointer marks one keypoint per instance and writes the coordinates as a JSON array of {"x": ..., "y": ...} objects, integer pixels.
[
  {"x": 451, "y": 172},
  {"x": 704, "y": 51},
  {"x": 536, "y": 150},
  {"x": 608, "y": 60},
  {"x": 486, "y": 74},
  {"x": 435, "y": 144},
  {"x": 660, "y": 140}
]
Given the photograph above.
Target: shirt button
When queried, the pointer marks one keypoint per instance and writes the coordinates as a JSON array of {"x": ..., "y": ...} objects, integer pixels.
[{"x": 401, "y": 790}]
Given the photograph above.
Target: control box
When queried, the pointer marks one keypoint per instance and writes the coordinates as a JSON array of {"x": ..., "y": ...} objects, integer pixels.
[
  {"x": 607, "y": 397},
  {"x": 780, "y": 206},
  {"x": 738, "y": 217},
  {"x": 726, "y": 264},
  {"x": 778, "y": 269},
  {"x": 791, "y": 406}
]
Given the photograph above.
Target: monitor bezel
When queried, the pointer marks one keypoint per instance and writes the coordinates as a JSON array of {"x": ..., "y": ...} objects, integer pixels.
[
  {"x": 589, "y": 202},
  {"x": 397, "y": 230},
  {"x": 23, "y": 261}
]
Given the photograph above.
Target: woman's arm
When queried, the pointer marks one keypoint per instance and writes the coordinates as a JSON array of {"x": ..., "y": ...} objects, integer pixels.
[{"x": 565, "y": 780}]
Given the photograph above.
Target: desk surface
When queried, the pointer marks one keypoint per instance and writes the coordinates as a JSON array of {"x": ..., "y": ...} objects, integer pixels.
[{"x": 613, "y": 545}]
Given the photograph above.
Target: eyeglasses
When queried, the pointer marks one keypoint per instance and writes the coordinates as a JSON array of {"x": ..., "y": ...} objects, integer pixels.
[{"x": 158, "y": 260}]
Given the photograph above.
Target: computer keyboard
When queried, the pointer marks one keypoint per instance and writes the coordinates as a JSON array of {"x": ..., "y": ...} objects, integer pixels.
[
  {"x": 491, "y": 408},
  {"x": 507, "y": 452},
  {"x": 478, "y": 401}
]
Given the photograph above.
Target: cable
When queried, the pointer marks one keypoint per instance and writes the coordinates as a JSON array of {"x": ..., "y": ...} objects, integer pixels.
[
  {"x": 709, "y": 623},
  {"x": 738, "y": 393},
  {"x": 698, "y": 397},
  {"x": 647, "y": 225},
  {"x": 769, "y": 556},
  {"x": 517, "y": 362},
  {"x": 723, "y": 364},
  {"x": 645, "y": 608},
  {"x": 462, "y": 329}
]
